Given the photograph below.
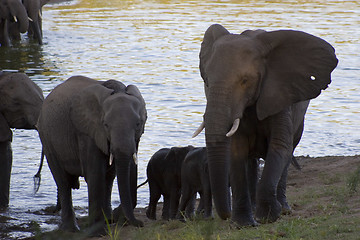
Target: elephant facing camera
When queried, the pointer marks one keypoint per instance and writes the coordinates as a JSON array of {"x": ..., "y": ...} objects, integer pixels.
[
  {"x": 92, "y": 129},
  {"x": 258, "y": 86}
]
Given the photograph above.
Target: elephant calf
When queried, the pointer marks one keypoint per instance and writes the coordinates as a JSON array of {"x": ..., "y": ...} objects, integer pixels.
[
  {"x": 20, "y": 104},
  {"x": 195, "y": 179},
  {"x": 164, "y": 176}
]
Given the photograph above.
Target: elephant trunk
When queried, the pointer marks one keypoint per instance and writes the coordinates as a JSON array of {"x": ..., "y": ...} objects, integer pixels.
[
  {"x": 19, "y": 15},
  {"x": 218, "y": 163},
  {"x": 217, "y": 124},
  {"x": 125, "y": 172},
  {"x": 36, "y": 31}
]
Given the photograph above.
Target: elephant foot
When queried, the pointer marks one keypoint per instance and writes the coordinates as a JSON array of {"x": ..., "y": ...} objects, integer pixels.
[
  {"x": 244, "y": 221},
  {"x": 267, "y": 212},
  {"x": 69, "y": 226},
  {"x": 286, "y": 209},
  {"x": 150, "y": 214},
  {"x": 181, "y": 218},
  {"x": 96, "y": 230},
  {"x": 136, "y": 223},
  {"x": 118, "y": 216},
  {"x": 208, "y": 216}
]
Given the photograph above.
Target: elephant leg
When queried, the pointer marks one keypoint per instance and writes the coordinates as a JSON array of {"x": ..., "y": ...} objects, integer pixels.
[
  {"x": 185, "y": 201},
  {"x": 253, "y": 169},
  {"x": 4, "y": 34},
  {"x": 166, "y": 207},
  {"x": 200, "y": 208},
  {"x": 207, "y": 200},
  {"x": 174, "y": 202},
  {"x": 5, "y": 172},
  {"x": 281, "y": 191},
  {"x": 155, "y": 195},
  {"x": 241, "y": 202},
  {"x": 190, "y": 207},
  {"x": 68, "y": 218},
  {"x": 67, "y": 211},
  {"x": 97, "y": 190},
  {"x": 268, "y": 208}
]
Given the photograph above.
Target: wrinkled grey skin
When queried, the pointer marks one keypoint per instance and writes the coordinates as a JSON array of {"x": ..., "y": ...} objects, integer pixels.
[
  {"x": 264, "y": 79},
  {"x": 195, "y": 179},
  {"x": 34, "y": 11},
  {"x": 83, "y": 122},
  {"x": 20, "y": 104},
  {"x": 13, "y": 21},
  {"x": 164, "y": 176}
]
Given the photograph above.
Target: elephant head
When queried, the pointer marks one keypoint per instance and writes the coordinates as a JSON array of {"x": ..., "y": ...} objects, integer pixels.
[
  {"x": 13, "y": 17},
  {"x": 34, "y": 11},
  {"x": 268, "y": 70},
  {"x": 20, "y": 100},
  {"x": 114, "y": 116},
  {"x": 20, "y": 103}
]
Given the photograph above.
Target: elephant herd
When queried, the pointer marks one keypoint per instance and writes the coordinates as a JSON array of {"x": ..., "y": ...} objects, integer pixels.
[
  {"x": 258, "y": 85},
  {"x": 20, "y": 16}
]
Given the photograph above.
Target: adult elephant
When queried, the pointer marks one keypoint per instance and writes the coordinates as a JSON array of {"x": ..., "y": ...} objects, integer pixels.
[
  {"x": 258, "y": 85},
  {"x": 34, "y": 11},
  {"x": 14, "y": 19},
  {"x": 92, "y": 129},
  {"x": 20, "y": 104}
]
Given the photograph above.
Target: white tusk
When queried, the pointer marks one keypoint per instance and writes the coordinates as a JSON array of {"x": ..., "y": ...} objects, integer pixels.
[
  {"x": 30, "y": 19},
  {"x": 200, "y": 128},
  {"x": 135, "y": 158},
  {"x": 111, "y": 159},
  {"x": 234, "y": 127},
  {"x": 40, "y": 14},
  {"x": 15, "y": 19}
]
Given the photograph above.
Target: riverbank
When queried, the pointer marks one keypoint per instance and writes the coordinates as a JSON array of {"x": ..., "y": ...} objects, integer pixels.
[{"x": 324, "y": 196}]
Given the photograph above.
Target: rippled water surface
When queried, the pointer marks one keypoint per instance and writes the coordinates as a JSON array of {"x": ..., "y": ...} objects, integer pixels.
[{"x": 155, "y": 45}]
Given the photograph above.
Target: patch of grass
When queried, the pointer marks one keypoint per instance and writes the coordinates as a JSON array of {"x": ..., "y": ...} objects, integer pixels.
[{"x": 353, "y": 181}]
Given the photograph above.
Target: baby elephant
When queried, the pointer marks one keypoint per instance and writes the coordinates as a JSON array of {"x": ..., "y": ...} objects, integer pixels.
[
  {"x": 164, "y": 176},
  {"x": 195, "y": 179}
]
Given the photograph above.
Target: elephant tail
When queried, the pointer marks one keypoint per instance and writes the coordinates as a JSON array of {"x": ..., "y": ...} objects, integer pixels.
[
  {"x": 147, "y": 180},
  {"x": 295, "y": 163},
  {"x": 37, "y": 176}
]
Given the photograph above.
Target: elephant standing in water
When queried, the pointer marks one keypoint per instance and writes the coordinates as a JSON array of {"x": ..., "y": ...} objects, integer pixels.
[
  {"x": 258, "y": 86},
  {"x": 20, "y": 104},
  {"x": 13, "y": 20},
  {"x": 34, "y": 11},
  {"x": 92, "y": 129}
]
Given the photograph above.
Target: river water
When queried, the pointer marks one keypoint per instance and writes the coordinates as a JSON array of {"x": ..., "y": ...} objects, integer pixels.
[{"x": 155, "y": 45}]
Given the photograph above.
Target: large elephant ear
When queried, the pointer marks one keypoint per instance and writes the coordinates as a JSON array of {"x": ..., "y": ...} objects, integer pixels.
[
  {"x": 213, "y": 33},
  {"x": 5, "y": 131},
  {"x": 298, "y": 67},
  {"x": 86, "y": 114},
  {"x": 134, "y": 91}
]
